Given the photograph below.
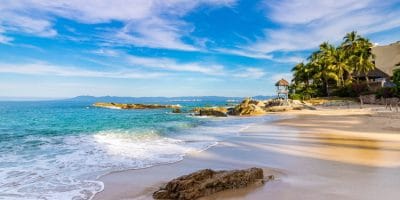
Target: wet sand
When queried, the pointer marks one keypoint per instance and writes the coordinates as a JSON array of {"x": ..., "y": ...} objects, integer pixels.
[{"x": 323, "y": 154}]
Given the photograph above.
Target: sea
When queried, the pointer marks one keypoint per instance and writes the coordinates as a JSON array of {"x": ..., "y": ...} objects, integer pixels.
[{"x": 59, "y": 149}]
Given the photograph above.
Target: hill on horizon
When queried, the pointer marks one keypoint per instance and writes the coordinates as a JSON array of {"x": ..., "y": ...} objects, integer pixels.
[{"x": 159, "y": 99}]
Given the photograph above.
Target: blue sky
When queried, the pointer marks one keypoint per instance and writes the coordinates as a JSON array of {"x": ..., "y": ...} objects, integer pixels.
[{"x": 66, "y": 48}]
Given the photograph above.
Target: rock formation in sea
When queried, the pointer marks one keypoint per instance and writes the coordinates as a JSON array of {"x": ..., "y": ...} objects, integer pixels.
[
  {"x": 176, "y": 110},
  {"x": 211, "y": 111},
  {"x": 133, "y": 106},
  {"x": 206, "y": 182},
  {"x": 248, "y": 107}
]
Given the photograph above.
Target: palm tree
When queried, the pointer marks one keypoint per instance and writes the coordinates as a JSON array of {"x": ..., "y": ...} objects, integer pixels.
[
  {"x": 363, "y": 57},
  {"x": 321, "y": 61},
  {"x": 358, "y": 53},
  {"x": 300, "y": 74},
  {"x": 338, "y": 62},
  {"x": 335, "y": 64},
  {"x": 350, "y": 41}
]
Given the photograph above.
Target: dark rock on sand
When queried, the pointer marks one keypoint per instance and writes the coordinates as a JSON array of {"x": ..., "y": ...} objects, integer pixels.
[{"x": 206, "y": 182}]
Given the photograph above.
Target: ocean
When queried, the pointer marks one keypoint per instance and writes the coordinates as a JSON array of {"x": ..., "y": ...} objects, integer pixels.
[{"x": 58, "y": 149}]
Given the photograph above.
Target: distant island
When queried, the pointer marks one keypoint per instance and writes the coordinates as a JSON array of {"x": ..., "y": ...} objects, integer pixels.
[{"x": 93, "y": 99}]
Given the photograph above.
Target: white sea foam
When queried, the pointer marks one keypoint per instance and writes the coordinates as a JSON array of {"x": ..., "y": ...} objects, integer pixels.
[{"x": 67, "y": 167}]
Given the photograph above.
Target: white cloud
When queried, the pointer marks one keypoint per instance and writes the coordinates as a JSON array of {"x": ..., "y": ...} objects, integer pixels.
[
  {"x": 274, "y": 77},
  {"x": 250, "y": 72},
  {"x": 244, "y": 53},
  {"x": 289, "y": 59},
  {"x": 40, "y": 68},
  {"x": 142, "y": 18},
  {"x": 308, "y": 11},
  {"x": 4, "y": 39},
  {"x": 155, "y": 33},
  {"x": 172, "y": 65},
  {"x": 106, "y": 52},
  {"x": 305, "y": 24}
]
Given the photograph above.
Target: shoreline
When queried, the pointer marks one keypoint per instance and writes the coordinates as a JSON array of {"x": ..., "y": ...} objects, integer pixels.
[{"x": 279, "y": 148}]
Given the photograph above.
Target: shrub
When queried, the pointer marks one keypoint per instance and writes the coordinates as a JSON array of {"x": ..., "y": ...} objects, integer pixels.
[
  {"x": 352, "y": 90},
  {"x": 386, "y": 92},
  {"x": 296, "y": 96},
  {"x": 396, "y": 77}
]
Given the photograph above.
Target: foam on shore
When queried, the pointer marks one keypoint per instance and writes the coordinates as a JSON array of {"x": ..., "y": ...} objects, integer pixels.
[{"x": 68, "y": 167}]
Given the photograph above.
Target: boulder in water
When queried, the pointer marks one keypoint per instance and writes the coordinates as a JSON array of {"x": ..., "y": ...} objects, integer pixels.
[{"x": 211, "y": 111}]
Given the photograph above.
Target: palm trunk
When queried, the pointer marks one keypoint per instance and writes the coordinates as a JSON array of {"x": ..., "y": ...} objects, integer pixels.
[
  {"x": 326, "y": 87},
  {"x": 367, "y": 79}
]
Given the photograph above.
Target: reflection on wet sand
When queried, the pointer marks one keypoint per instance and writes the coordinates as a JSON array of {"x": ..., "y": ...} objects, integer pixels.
[{"x": 348, "y": 139}]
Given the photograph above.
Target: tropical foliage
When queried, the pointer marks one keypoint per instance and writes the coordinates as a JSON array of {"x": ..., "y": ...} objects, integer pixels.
[
  {"x": 396, "y": 79},
  {"x": 332, "y": 68}
]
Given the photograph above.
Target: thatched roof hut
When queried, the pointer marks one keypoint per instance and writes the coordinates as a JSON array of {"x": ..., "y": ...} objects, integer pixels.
[
  {"x": 386, "y": 59},
  {"x": 282, "y": 82}
]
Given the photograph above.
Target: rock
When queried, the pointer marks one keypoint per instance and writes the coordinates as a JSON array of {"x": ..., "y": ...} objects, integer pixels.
[
  {"x": 213, "y": 111},
  {"x": 206, "y": 182},
  {"x": 133, "y": 106},
  {"x": 176, "y": 110},
  {"x": 248, "y": 107},
  {"x": 282, "y": 108}
]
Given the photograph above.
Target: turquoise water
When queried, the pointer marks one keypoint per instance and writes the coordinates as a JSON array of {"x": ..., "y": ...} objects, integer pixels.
[{"x": 57, "y": 150}]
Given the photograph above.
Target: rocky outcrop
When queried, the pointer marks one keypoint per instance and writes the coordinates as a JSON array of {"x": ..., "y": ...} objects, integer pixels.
[
  {"x": 176, "y": 110},
  {"x": 206, "y": 182},
  {"x": 211, "y": 111},
  {"x": 248, "y": 107},
  {"x": 133, "y": 106}
]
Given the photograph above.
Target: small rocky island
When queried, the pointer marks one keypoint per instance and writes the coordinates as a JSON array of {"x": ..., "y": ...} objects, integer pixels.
[{"x": 133, "y": 106}]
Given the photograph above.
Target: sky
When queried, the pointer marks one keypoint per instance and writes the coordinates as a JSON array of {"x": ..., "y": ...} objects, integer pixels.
[{"x": 66, "y": 48}]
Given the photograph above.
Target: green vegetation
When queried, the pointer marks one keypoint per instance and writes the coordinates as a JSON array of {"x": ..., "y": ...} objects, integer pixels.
[
  {"x": 396, "y": 80},
  {"x": 330, "y": 69}
]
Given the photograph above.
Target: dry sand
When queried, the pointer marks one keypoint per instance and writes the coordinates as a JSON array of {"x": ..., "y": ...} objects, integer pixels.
[{"x": 323, "y": 154}]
